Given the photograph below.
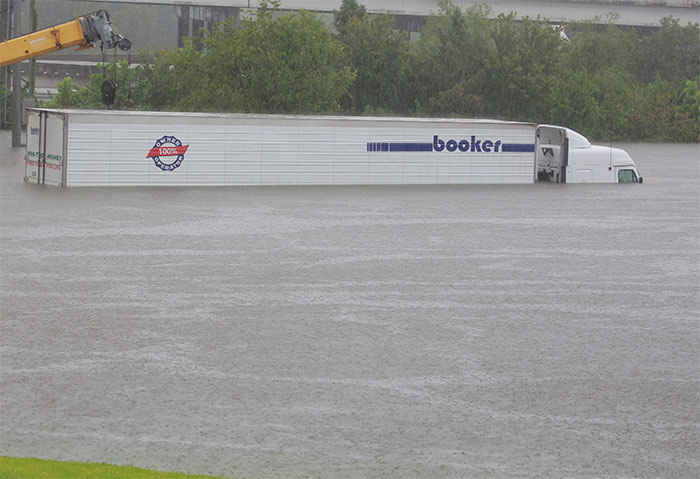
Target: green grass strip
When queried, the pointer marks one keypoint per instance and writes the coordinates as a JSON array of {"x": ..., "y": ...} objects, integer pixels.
[{"x": 30, "y": 468}]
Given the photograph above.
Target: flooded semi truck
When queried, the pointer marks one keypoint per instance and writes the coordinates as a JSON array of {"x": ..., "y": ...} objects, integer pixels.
[
  {"x": 137, "y": 148},
  {"x": 565, "y": 156}
]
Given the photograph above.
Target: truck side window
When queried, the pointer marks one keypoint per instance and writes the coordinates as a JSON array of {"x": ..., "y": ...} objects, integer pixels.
[{"x": 626, "y": 176}]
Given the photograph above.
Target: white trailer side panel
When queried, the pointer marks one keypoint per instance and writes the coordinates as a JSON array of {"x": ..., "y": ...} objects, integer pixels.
[{"x": 149, "y": 148}]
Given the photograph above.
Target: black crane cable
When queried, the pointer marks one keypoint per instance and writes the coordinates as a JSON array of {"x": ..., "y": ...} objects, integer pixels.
[
  {"x": 109, "y": 85},
  {"x": 124, "y": 45}
]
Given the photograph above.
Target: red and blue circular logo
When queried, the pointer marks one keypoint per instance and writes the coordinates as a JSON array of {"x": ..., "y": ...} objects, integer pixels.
[{"x": 165, "y": 149}]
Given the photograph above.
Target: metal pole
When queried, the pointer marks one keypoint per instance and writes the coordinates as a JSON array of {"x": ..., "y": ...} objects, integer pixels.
[
  {"x": 5, "y": 5},
  {"x": 17, "y": 84},
  {"x": 5, "y": 35},
  {"x": 32, "y": 63}
]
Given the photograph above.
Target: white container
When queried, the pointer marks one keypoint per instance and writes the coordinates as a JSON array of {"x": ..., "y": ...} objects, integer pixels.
[{"x": 114, "y": 148}]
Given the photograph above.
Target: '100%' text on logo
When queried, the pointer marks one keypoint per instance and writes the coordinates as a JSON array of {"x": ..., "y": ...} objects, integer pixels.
[{"x": 167, "y": 147}]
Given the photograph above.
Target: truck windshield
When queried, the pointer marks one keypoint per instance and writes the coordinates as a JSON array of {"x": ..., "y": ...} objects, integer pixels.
[{"x": 627, "y": 176}]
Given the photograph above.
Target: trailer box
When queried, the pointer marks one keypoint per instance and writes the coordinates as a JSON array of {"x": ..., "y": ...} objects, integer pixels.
[{"x": 122, "y": 148}]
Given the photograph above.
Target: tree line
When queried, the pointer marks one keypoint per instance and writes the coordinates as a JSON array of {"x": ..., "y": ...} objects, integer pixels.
[{"x": 605, "y": 81}]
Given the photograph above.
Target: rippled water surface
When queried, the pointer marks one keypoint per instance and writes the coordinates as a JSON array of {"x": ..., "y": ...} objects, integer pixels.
[{"x": 352, "y": 332}]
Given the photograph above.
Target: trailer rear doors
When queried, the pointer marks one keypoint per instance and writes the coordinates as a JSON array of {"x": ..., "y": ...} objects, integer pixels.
[
  {"x": 44, "y": 162},
  {"x": 551, "y": 153}
]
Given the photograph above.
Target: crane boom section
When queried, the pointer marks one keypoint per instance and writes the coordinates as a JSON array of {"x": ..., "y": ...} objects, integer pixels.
[
  {"x": 41, "y": 42},
  {"x": 82, "y": 32}
]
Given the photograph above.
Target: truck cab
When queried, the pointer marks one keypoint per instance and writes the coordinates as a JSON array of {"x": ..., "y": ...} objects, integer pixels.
[{"x": 565, "y": 156}]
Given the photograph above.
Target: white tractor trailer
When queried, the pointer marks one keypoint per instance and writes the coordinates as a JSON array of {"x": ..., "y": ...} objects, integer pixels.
[{"x": 134, "y": 148}]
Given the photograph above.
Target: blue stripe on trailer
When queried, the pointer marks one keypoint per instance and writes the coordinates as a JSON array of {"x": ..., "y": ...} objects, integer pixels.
[
  {"x": 518, "y": 147},
  {"x": 410, "y": 147},
  {"x": 423, "y": 147}
]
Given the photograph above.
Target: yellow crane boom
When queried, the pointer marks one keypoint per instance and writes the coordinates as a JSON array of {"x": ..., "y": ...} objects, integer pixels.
[{"x": 82, "y": 32}]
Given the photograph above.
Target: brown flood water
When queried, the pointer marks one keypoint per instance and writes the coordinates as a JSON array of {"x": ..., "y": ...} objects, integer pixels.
[{"x": 356, "y": 332}]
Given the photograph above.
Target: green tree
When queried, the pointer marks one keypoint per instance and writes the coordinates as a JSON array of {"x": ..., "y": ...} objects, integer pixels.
[
  {"x": 169, "y": 82},
  {"x": 272, "y": 64},
  {"x": 447, "y": 61},
  {"x": 66, "y": 96},
  {"x": 519, "y": 75},
  {"x": 651, "y": 119},
  {"x": 90, "y": 96},
  {"x": 572, "y": 102},
  {"x": 687, "y": 113},
  {"x": 377, "y": 53},
  {"x": 672, "y": 53},
  {"x": 348, "y": 9},
  {"x": 664, "y": 111},
  {"x": 597, "y": 47},
  {"x": 619, "y": 102}
]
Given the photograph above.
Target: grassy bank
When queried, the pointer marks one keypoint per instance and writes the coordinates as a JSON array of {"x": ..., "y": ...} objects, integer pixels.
[{"x": 30, "y": 468}]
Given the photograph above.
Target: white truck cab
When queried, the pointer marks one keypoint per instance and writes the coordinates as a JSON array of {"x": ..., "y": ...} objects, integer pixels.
[{"x": 565, "y": 156}]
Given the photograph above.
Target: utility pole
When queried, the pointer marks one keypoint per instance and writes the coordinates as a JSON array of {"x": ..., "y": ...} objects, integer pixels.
[
  {"x": 5, "y": 14},
  {"x": 33, "y": 26},
  {"x": 17, "y": 82}
]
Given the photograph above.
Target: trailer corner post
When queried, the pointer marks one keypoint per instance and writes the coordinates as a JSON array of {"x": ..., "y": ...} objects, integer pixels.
[{"x": 64, "y": 151}]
